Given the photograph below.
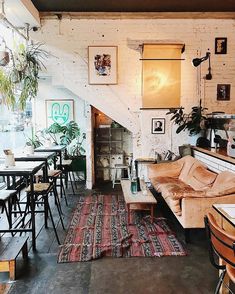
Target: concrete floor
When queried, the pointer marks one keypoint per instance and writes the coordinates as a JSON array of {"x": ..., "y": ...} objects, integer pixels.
[{"x": 42, "y": 275}]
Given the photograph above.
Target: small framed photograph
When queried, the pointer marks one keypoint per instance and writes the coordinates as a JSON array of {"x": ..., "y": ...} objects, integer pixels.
[
  {"x": 102, "y": 65},
  {"x": 223, "y": 92},
  {"x": 220, "y": 45},
  {"x": 158, "y": 125}
]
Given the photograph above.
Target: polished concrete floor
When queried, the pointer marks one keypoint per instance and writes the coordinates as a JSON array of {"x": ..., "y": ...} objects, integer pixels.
[{"x": 41, "y": 274}]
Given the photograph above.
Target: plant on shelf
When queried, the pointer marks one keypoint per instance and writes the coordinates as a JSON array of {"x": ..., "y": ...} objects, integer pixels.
[
  {"x": 195, "y": 121},
  {"x": 20, "y": 77}
]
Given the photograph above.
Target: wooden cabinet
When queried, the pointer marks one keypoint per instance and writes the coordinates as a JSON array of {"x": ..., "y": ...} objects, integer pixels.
[{"x": 112, "y": 146}]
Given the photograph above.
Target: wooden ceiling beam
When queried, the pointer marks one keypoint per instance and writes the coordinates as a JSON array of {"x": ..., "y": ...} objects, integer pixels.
[{"x": 138, "y": 15}]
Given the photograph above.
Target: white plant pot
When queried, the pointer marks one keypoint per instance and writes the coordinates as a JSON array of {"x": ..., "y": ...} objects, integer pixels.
[
  {"x": 29, "y": 150},
  {"x": 9, "y": 160}
]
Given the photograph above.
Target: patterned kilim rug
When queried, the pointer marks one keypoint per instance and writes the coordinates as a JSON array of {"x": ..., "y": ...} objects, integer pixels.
[{"x": 99, "y": 228}]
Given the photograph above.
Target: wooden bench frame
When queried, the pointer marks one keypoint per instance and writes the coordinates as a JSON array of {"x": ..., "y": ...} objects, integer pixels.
[{"x": 10, "y": 248}]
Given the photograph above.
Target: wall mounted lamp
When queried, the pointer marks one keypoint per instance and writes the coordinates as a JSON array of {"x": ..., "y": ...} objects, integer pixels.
[{"x": 197, "y": 61}]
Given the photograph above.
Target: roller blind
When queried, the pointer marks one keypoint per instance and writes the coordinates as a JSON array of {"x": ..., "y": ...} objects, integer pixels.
[{"x": 161, "y": 84}]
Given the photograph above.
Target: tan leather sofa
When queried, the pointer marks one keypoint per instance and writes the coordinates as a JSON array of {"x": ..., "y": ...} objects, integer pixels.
[{"x": 190, "y": 189}]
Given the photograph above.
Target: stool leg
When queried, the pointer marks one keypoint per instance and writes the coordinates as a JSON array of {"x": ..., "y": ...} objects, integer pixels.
[
  {"x": 12, "y": 269},
  {"x": 25, "y": 250},
  {"x": 46, "y": 207},
  {"x": 75, "y": 183},
  {"x": 53, "y": 224},
  {"x": 58, "y": 207},
  {"x": 65, "y": 197},
  {"x": 71, "y": 182}
]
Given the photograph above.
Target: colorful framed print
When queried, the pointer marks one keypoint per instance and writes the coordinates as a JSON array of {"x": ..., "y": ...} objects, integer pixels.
[{"x": 102, "y": 65}]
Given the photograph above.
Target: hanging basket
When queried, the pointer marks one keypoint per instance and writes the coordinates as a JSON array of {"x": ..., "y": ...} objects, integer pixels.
[{"x": 4, "y": 58}]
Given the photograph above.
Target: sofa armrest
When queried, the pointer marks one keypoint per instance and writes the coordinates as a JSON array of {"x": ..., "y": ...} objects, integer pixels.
[{"x": 167, "y": 169}]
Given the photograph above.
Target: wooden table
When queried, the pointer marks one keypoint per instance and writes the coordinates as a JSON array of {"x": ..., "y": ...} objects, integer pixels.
[
  {"x": 142, "y": 200},
  {"x": 27, "y": 170},
  {"x": 37, "y": 156},
  {"x": 227, "y": 222}
]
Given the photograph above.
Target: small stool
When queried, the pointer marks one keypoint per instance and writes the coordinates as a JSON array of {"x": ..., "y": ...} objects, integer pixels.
[
  {"x": 122, "y": 167},
  {"x": 66, "y": 163},
  {"x": 43, "y": 189},
  {"x": 53, "y": 175},
  {"x": 7, "y": 199},
  {"x": 10, "y": 248}
]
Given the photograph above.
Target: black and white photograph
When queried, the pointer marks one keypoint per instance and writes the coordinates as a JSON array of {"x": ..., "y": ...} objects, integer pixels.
[
  {"x": 158, "y": 125},
  {"x": 223, "y": 92}
]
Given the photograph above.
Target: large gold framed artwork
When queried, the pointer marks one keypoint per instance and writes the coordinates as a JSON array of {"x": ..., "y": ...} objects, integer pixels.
[{"x": 161, "y": 77}]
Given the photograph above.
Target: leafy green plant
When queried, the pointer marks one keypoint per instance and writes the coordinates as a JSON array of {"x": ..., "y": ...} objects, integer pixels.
[
  {"x": 23, "y": 74},
  {"x": 194, "y": 122},
  {"x": 33, "y": 140},
  {"x": 69, "y": 135}
]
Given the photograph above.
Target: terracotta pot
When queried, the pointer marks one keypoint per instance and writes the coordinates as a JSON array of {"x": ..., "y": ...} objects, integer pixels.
[{"x": 4, "y": 58}]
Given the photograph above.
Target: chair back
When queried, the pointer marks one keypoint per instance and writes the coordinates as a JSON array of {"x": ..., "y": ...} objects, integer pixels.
[{"x": 220, "y": 242}]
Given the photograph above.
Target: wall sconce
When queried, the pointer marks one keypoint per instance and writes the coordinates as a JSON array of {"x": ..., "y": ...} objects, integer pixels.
[{"x": 197, "y": 61}]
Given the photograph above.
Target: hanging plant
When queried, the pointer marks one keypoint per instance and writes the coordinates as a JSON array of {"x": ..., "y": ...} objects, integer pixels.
[{"x": 23, "y": 75}]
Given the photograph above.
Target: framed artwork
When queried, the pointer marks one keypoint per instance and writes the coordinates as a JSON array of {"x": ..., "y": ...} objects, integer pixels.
[
  {"x": 59, "y": 111},
  {"x": 223, "y": 92},
  {"x": 220, "y": 45},
  {"x": 102, "y": 65},
  {"x": 158, "y": 125}
]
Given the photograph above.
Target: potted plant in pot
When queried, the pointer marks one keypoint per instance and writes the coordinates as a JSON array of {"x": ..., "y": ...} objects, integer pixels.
[
  {"x": 31, "y": 142},
  {"x": 70, "y": 136},
  {"x": 195, "y": 122},
  {"x": 20, "y": 78}
]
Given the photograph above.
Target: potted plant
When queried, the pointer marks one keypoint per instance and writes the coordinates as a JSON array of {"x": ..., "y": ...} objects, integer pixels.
[
  {"x": 32, "y": 142},
  {"x": 21, "y": 77},
  {"x": 195, "y": 121},
  {"x": 69, "y": 135}
]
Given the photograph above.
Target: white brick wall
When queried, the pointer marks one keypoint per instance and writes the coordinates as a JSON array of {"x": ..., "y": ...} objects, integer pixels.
[
  {"x": 213, "y": 163},
  {"x": 68, "y": 40}
]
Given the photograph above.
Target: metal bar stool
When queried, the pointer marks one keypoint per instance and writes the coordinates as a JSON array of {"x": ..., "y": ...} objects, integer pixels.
[
  {"x": 7, "y": 199},
  {"x": 65, "y": 167},
  {"x": 53, "y": 176},
  {"x": 41, "y": 192}
]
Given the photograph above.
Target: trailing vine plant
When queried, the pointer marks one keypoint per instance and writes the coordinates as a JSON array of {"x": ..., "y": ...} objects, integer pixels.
[{"x": 20, "y": 78}]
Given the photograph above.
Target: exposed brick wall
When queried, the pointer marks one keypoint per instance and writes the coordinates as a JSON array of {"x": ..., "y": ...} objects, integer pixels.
[{"x": 68, "y": 40}]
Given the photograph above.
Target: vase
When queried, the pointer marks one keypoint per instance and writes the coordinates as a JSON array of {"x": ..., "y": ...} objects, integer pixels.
[{"x": 28, "y": 150}]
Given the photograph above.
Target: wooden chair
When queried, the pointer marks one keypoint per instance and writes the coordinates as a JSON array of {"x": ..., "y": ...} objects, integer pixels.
[{"x": 222, "y": 245}]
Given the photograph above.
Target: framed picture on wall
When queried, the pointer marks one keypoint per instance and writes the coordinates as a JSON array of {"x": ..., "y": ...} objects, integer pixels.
[
  {"x": 220, "y": 45},
  {"x": 102, "y": 65},
  {"x": 59, "y": 111},
  {"x": 223, "y": 92},
  {"x": 158, "y": 125}
]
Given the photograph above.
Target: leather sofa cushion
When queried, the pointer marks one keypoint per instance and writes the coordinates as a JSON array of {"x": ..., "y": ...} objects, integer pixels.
[
  {"x": 223, "y": 185},
  {"x": 190, "y": 164},
  {"x": 201, "y": 178},
  {"x": 165, "y": 169},
  {"x": 174, "y": 188}
]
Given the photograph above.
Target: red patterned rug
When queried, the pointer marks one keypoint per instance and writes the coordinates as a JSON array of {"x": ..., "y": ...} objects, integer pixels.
[{"x": 99, "y": 228}]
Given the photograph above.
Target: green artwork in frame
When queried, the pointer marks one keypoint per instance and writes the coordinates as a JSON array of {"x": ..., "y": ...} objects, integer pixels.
[{"x": 59, "y": 111}]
